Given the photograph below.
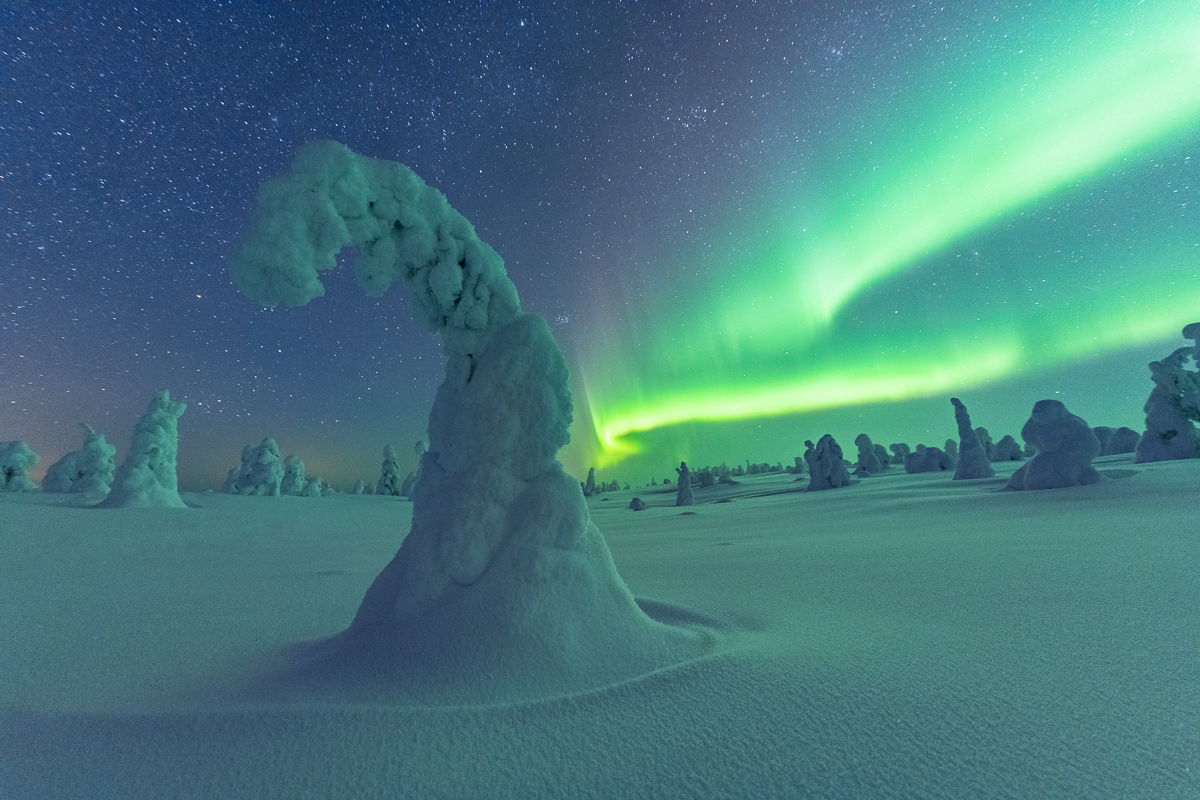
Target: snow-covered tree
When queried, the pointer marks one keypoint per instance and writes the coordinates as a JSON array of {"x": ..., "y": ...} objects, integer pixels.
[
  {"x": 147, "y": 478},
  {"x": 985, "y": 441},
  {"x": 929, "y": 459},
  {"x": 293, "y": 481},
  {"x": 389, "y": 477},
  {"x": 900, "y": 452},
  {"x": 683, "y": 494},
  {"x": 503, "y": 572},
  {"x": 1008, "y": 449},
  {"x": 868, "y": 461},
  {"x": 16, "y": 459},
  {"x": 1123, "y": 440},
  {"x": 313, "y": 487},
  {"x": 589, "y": 486},
  {"x": 261, "y": 471},
  {"x": 951, "y": 448},
  {"x": 1173, "y": 406},
  {"x": 973, "y": 461},
  {"x": 359, "y": 488},
  {"x": 88, "y": 470},
  {"x": 827, "y": 468},
  {"x": 1065, "y": 449},
  {"x": 885, "y": 459}
]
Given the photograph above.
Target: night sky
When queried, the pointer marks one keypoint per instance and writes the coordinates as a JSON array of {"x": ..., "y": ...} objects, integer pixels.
[{"x": 748, "y": 224}]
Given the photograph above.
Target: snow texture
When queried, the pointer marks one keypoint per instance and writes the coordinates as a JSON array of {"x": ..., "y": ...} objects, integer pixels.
[
  {"x": 503, "y": 587},
  {"x": 868, "y": 460},
  {"x": 389, "y": 476},
  {"x": 973, "y": 461},
  {"x": 827, "y": 467},
  {"x": 683, "y": 495},
  {"x": 16, "y": 459},
  {"x": 88, "y": 470},
  {"x": 261, "y": 471},
  {"x": 1065, "y": 449},
  {"x": 293, "y": 480},
  {"x": 146, "y": 478},
  {"x": 929, "y": 459},
  {"x": 1008, "y": 449}
]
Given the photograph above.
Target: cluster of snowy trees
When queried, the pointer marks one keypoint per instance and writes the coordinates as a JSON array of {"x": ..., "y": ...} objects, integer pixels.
[{"x": 147, "y": 476}]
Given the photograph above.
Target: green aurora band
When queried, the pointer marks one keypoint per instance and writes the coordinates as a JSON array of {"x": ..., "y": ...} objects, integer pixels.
[{"x": 818, "y": 318}]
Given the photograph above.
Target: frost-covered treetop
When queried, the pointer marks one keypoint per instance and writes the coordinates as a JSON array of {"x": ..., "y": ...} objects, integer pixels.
[{"x": 330, "y": 198}]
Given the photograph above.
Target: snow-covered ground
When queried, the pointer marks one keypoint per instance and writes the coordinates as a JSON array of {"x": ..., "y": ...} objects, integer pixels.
[{"x": 905, "y": 636}]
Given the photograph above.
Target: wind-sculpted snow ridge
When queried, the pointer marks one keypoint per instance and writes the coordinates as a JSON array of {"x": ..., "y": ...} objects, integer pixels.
[{"x": 504, "y": 589}]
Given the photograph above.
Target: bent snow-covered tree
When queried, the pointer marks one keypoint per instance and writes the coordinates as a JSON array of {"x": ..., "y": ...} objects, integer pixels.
[{"x": 504, "y": 587}]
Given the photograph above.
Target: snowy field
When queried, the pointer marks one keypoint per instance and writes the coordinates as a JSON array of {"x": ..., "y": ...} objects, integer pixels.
[{"x": 906, "y": 636}]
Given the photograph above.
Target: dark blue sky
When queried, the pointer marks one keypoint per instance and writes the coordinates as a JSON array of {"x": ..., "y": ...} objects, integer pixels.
[{"x": 597, "y": 147}]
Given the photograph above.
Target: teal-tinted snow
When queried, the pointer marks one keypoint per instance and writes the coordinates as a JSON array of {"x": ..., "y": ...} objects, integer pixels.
[{"x": 954, "y": 641}]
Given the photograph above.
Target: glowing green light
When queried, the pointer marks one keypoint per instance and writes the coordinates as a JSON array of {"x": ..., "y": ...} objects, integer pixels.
[{"x": 774, "y": 332}]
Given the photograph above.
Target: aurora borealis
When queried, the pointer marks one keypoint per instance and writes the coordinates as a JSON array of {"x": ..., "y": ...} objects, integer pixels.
[
  {"x": 812, "y": 315},
  {"x": 749, "y": 224}
]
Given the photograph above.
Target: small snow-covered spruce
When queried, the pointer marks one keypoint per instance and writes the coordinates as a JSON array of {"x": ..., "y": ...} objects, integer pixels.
[
  {"x": 313, "y": 487},
  {"x": 589, "y": 486},
  {"x": 503, "y": 588},
  {"x": 900, "y": 452},
  {"x": 973, "y": 461},
  {"x": 389, "y": 477},
  {"x": 147, "y": 478},
  {"x": 261, "y": 472},
  {"x": 1173, "y": 405},
  {"x": 637, "y": 504},
  {"x": 1007, "y": 449},
  {"x": 16, "y": 459},
  {"x": 293, "y": 480},
  {"x": 360, "y": 487},
  {"x": 929, "y": 459},
  {"x": 827, "y": 467},
  {"x": 951, "y": 448},
  {"x": 868, "y": 461},
  {"x": 88, "y": 470},
  {"x": 683, "y": 495},
  {"x": 1065, "y": 449}
]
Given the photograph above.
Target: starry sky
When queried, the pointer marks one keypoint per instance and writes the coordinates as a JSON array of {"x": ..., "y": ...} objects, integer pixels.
[{"x": 748, "y": 224}]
